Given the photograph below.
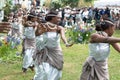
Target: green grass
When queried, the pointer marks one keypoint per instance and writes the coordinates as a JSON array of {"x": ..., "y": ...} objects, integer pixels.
[{"x": 74, "y": 58}]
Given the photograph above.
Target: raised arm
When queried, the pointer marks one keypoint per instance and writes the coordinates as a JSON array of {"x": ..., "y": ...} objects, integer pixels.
[
  {"x": 41, "y": 28},
  {"x": 5, "y": 27}
]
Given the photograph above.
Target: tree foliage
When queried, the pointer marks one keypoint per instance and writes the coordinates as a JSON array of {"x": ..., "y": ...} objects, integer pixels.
[
  {"x": 88, "y": 0},
  {"x": 56, "y": 4},
  {"x": 71, "y": 3}
]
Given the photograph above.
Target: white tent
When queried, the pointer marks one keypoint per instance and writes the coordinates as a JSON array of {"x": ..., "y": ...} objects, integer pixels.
[{"x": 104, "y": 3}]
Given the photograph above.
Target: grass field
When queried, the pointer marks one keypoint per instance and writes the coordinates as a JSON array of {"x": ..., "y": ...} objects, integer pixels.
[{"x": 74, "y": 58}]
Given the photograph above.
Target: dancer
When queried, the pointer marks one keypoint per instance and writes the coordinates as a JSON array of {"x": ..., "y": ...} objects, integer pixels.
[
  {"x": 96, "y": 66},
  {"x": 29, "y": 41},
  {"x": 49, "y": 58}
]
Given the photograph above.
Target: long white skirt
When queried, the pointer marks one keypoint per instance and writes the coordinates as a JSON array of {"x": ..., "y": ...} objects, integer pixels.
[
  {"x": 28, "y": 60},
  {"x": 47, "y": 72}
]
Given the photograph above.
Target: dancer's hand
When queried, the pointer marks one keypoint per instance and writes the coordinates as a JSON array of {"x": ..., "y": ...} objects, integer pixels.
[{"x": 68, "y": 45}]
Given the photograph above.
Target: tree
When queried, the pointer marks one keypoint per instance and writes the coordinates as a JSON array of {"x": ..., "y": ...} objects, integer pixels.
[
  {"x": 55, "y": 4},
  {"x": 88, "y": 1},
  {"x": 72, "y": 3},
  {"x": 85, "y": 3}
]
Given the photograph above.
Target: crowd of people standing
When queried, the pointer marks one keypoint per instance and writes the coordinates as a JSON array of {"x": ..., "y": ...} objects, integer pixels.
[{"x": 74, "y": 15}]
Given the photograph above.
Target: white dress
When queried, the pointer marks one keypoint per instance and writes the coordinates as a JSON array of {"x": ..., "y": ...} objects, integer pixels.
[
  {"x": 45, "y": 71},
  {"x": 29, "y": 46},
  {"x": 99, "y": 51},
  {"x": 96, "y": 65},
  {"x": 15, "y": 29}
]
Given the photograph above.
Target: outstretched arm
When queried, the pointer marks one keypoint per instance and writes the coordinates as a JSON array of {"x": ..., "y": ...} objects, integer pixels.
[
  {"x": 116, "y": 46},
  {"x": 96, "y": 38}
]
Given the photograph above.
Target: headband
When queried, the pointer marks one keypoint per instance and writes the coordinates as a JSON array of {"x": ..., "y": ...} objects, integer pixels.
[
  {"x": 109, "y": 22},
  {"x": 53, "y": 15},
  {"x": 32, "y": 15}
]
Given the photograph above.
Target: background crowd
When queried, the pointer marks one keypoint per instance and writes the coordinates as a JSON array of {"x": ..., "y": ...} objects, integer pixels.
[{"x": 70, "y": 16}]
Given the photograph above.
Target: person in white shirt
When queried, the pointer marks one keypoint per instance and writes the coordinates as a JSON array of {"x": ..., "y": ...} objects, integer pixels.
[
  {"x": 67, "y": 12},
  {"x": 85, "y": 15}
]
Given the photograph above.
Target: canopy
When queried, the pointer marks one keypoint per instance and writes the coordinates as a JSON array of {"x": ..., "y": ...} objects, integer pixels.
[{"x": 104, "y": 3}]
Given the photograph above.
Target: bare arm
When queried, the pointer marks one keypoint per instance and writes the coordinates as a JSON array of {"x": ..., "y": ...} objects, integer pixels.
[
  {"x": 116, "y": 46},
  {"x": 62, "y": 33},
  {"x": 40, "y": 29},
  {"x": 95, "y": 38}
]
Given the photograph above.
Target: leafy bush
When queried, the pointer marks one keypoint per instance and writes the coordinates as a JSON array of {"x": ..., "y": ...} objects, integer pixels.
[
  {"x": 7, "y": 9},
  {"x": 79, "y": 35},
  {"x": 7, "y": 52}
]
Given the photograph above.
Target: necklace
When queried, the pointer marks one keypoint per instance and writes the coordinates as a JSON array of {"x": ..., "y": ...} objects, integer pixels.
[
  {"x": 102, "y": 33},
  {"x": 51, "y": 24}
]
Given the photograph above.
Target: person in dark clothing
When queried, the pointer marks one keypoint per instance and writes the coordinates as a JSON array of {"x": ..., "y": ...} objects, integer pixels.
[
  {"x": 97, "y": 15},
  {"x": 37, "y": 2},
  {"x": 107, "y": 11}
]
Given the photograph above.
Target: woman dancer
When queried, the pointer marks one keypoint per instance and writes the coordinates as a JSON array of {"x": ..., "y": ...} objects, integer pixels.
[
  {"x": 96, "y": 66},
  {"x": 29, "y": 41},
  {"x": 49, "y": 58}
]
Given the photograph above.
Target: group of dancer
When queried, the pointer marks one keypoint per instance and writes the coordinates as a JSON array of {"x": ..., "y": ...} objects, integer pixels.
[
  {"x": 42, "y": 50},
  {"x": 42, "y": 46}
]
